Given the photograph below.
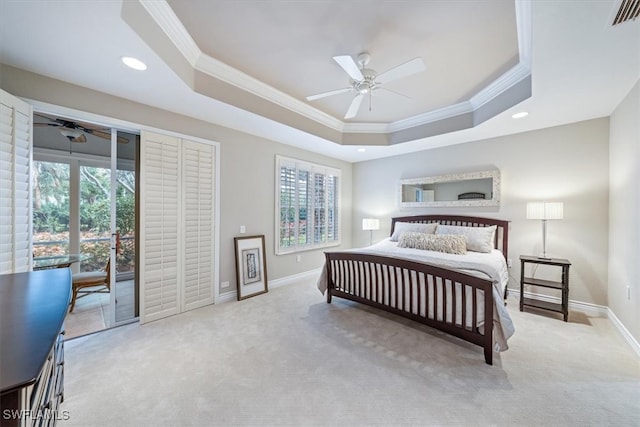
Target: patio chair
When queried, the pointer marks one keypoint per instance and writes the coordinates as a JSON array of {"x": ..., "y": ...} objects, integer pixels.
[{"x": 90, "y": 282}]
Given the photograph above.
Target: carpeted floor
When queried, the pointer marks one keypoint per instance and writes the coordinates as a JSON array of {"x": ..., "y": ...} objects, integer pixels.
[{"x": 286, "y": 358}]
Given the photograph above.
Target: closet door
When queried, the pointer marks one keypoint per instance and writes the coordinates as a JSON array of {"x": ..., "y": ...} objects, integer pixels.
[
  {"x": 16, "y": 142},
  {"x": 159, "y": 226},
  {"x": 177, "y": 226},
  {"x": 198, "y": 161}
]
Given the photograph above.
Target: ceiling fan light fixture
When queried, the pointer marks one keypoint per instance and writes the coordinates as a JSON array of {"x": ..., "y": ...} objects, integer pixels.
[
  {"x": 364, "y": 81},
  {"x": 71, "y": 134},
  {"x": 134, "y": 63}
]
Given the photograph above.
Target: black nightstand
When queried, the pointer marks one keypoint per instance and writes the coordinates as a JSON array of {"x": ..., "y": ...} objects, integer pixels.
[{"x": 562, "y": 285}]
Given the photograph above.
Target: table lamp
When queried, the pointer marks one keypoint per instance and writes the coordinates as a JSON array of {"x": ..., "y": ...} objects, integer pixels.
[
  {"x": 544, "y": 211},
  {"x": 370, "y": 224}
]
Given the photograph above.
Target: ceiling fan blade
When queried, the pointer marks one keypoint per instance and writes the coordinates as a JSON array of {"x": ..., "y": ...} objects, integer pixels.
[
  {"x": 349, "y": 65},
  {"x": 98, "y": 133},
  {"x": 354, "y": 107},
  {"x": 48, "y": 124},
  {"x": 325, "y": 94},
  {"x": 414, "y": 66}
]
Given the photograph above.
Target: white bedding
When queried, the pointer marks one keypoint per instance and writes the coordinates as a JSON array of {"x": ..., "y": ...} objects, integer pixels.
[{"x": 490, "y": 266}]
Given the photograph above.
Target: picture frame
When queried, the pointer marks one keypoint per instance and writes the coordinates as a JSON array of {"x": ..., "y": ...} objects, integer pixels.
[{"x": 251, "y": 266}]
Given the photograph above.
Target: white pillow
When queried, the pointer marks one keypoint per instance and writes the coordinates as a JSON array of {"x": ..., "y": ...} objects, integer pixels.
[
  {"x": 479, "y": 239},
  {"x": 449, "y": 243},
  {"x": 401, "y": 227}
]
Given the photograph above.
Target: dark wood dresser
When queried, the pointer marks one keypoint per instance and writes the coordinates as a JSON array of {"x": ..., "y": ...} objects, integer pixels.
[{"x": 33, "y": 306}]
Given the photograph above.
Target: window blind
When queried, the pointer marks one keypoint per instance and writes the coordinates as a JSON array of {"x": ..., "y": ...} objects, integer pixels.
[
  {"x": 308, "y": 205},
  {"x": 15, "y": 184}
]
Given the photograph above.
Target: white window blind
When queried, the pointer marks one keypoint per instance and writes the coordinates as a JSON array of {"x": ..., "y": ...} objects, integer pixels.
[
  {"x": 177, "y": 271},
  {"x": 307, "y": 205},
  {"x": 198, "y": 201},
  {"x": 15, "y": 184},
  {"x": 160, "y": 218}
]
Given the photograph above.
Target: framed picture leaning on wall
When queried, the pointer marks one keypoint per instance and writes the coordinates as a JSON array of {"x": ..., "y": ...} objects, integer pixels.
[{"x": 251, "y": 266}]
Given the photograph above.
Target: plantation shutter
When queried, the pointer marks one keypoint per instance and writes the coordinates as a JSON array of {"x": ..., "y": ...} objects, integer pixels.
[
  {"x": 15, "y": 184},
  {"x": 177, "y": 227},
  {"x": 198, "y": 162},
  {"x": 159, "y": 222}
]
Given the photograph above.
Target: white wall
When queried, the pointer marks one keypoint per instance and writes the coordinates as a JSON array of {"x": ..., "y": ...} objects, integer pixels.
[
  {"x": 624, "y": 212},
  {"x": 565, "y": 163}
]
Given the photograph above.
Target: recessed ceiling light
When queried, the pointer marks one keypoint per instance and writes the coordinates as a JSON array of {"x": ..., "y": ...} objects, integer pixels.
[
  {"x": 134, "y": 63},
  {"x": 520, "y": 115},
  {"x": 361, "y": 150}
]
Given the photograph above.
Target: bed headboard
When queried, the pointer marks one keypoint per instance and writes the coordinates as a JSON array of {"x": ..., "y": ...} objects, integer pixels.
[{"x": 502, "y": 227}]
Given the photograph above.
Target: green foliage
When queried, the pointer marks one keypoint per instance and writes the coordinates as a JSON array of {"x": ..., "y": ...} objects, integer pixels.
[
  {"x": 125, "y": 213},
  {"x": 51, "y": 199},
  {"x": 51, "y": 211},
  {"x": 51, "y": 218}
]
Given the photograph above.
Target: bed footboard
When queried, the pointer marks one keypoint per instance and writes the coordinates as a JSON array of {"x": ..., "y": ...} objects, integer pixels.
[{"x": 453, "y": 302}]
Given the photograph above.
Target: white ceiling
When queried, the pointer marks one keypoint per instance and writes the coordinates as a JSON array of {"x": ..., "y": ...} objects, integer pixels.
[
  {"x": 581, "y": 67},
  {"x": 290, "y": 45}
]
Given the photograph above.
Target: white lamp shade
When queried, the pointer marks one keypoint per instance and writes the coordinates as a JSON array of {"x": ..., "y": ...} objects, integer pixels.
[
  {"x": 545, "y": 210},
  {"x": 370, "y": 224}
]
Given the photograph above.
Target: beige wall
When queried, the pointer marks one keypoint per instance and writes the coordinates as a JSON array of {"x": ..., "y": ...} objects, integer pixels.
[
  {"x": 247, "y": 178},
  {"x": 565, "y": 163},
  {"x": 624, "y": 212}
]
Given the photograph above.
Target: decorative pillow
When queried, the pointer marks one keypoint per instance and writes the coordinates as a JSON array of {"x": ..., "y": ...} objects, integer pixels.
[
  {"x": 401, "y": 227},
  {"x": 479, "y": 239},
  {"x": 449, "y": 243}
]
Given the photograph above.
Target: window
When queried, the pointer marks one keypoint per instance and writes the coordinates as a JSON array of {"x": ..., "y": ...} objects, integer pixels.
[
  {"x": 57, "y": 210},
  {"x": 307, "y": 203}
]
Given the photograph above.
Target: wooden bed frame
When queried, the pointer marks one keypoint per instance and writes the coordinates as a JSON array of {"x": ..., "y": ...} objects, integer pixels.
[{"x": 400, "y": 286}]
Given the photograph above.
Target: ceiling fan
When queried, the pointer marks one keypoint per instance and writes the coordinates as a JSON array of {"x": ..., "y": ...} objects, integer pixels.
[
  {"x": 76, "y": 131},
  {"x": 365, "y": 80}
]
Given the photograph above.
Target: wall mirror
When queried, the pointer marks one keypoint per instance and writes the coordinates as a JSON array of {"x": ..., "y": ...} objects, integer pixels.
[{"x": 462, "y": 189}]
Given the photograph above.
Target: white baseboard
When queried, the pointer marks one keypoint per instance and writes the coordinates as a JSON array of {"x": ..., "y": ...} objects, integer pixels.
[
  {"x": 227, "y": 297},
  {"x": 272, "y": 284},
  {"x": 624, "y": 332},
  {"x": 589, "y": 308},
  {"x": 306, "y": 275}
]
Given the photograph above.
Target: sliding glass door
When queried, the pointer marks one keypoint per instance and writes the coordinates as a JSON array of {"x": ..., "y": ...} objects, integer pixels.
[
  {"x": 124, "y": 216},
  {"x": 84, "y": 208}
]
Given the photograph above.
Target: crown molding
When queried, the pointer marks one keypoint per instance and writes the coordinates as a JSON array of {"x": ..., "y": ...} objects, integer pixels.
[
  {"x": 432, "y": 116},
  {"x": 366, "y": 127},
  {"x": 500, "y": 85},
  {"x": 523, "y": 26},
  {"x": 232, "y": 76},
  {"x": 167, "y": 20}
]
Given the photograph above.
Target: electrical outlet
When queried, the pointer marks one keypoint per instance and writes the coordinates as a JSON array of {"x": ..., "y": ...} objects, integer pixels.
[
  {"x": 298, "y": 258},
  {"x": 242, "y": 229},
  {"x": 509, "y": 262},
  {"x": 224, "y": 285}
]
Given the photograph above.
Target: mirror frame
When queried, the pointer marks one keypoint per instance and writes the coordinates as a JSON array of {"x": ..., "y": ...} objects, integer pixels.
[{"x": 494, "y": 201}]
